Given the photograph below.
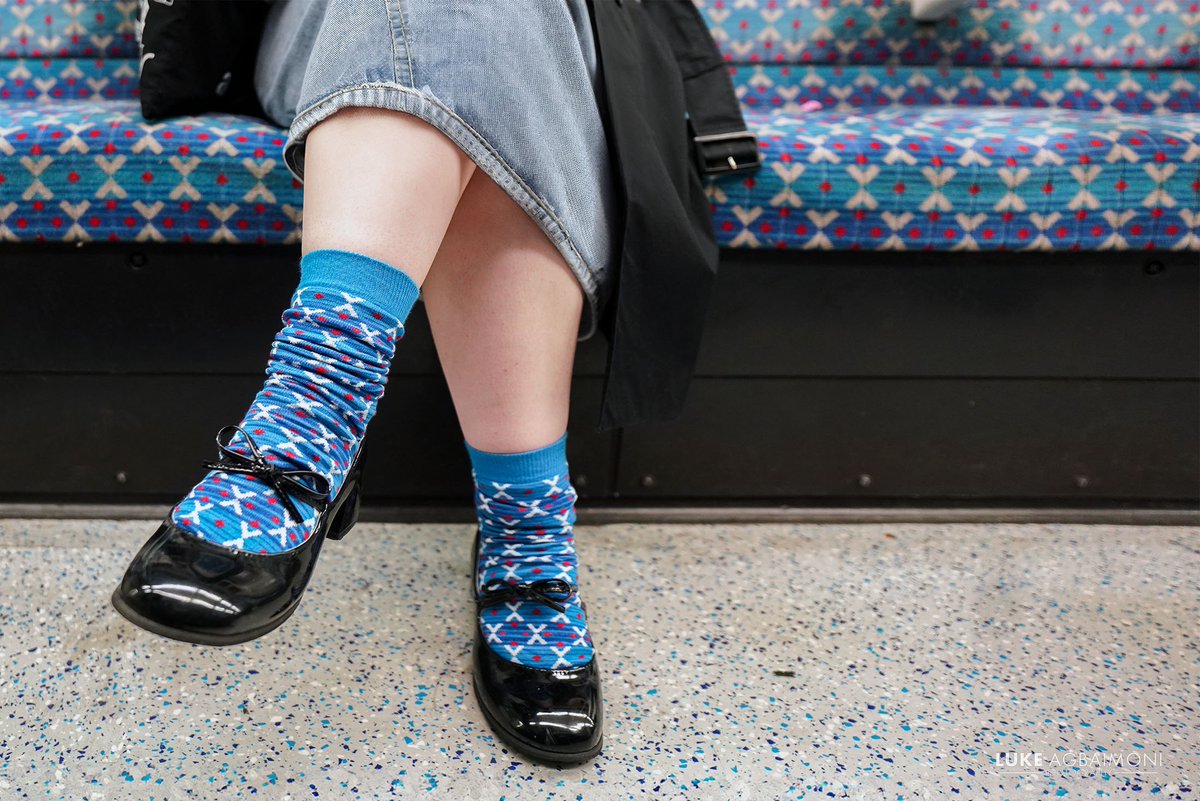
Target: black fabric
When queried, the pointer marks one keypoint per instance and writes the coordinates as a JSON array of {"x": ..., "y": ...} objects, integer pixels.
[
  {"x": 666, "y": 242},
  {"x": 199, "y": 56},
  {"x": 712, "y": 103},
  {"x": 714, "y": 112}
]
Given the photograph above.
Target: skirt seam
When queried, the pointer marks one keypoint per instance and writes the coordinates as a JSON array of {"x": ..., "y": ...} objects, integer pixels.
[
  {"x": 398, "y": 97},
  {"x": 404, "y": 42},
  {"x": 387, "y": 4}
]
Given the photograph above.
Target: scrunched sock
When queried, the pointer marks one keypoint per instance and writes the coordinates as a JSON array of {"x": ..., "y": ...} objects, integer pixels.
[
  {"x": 325, "y": 375},
  {"x": 525, "y": 505}
]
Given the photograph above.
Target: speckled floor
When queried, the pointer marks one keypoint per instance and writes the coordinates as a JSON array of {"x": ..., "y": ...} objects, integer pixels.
[{"x": 765, "y": 661}]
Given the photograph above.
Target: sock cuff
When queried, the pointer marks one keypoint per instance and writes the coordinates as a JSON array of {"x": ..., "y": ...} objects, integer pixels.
[
  {"x": 381, "y": 284},
  {"x": 520, "y": 468}
]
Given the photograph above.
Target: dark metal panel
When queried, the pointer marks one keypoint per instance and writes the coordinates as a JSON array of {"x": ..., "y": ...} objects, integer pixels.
[
  {"x": 417, "y": 449},
  {"x": 211, "y": 308},
  {"x": 1087, "y": 315},
  {"x": 176, "y": 308},
  {"x": 1075, "y": 440},
  {"x": 142, "y": 438},
  {"x": 123, "y": 308}
]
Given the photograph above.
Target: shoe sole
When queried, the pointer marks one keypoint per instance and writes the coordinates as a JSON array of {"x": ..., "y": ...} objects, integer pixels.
[{"x": 184, "y": 635}]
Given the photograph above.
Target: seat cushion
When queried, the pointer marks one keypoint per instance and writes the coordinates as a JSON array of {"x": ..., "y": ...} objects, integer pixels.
[
  {"x": 947, "y": 178},
  {"x": 986, "y": 33},
  {"x": 83, "y": 170},
  {"x": 921, "y": 177}
]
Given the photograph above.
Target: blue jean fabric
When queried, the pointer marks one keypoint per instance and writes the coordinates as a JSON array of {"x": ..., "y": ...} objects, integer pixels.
[{"x": 513, "y": 83}]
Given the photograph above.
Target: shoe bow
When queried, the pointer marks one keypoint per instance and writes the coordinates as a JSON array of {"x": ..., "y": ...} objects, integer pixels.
[
  {"x": 286, "y": 483},
  {"x": 540, "y": 590}
]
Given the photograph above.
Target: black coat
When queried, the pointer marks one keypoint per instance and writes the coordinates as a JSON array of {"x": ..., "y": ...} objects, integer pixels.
[
  {"x": 662, "y": 82},
  {"x": 657, "y": 63}
]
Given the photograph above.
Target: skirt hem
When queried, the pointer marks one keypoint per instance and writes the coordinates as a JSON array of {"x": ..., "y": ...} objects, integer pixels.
[{"x": 397, "y": 97}]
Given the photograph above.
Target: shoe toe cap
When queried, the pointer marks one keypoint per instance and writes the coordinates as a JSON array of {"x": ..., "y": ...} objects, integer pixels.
[
  {"x": 177, "y": 601},
  {"x": 183, "y": 587},
  {"x": 558, "y": 730},
  {"x": 554, "y": 714}
]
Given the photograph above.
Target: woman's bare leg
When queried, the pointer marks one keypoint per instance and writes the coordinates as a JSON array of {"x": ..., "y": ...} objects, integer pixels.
[
  {"x": 504, "y": 308},
  {"x": 382, "y": 183}
]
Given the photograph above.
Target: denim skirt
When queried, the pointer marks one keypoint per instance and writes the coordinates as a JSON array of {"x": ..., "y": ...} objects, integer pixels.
[{"x": 513, "y": 83}]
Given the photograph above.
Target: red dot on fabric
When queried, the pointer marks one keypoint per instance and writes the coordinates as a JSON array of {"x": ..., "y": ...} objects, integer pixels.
[
  {"x": 220, "y": 524},
  {"x": 319, "y": 295}
]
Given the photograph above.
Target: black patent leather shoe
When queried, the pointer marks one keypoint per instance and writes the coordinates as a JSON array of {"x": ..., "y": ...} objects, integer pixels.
[
  {"x": 553, "y": 715},
  {"x": 186, "y": 588}
]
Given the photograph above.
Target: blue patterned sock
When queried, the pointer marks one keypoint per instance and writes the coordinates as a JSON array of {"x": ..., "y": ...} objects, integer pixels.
[
  {"x": 325, "y": 374},
  {"x": 526, "y": 509}
]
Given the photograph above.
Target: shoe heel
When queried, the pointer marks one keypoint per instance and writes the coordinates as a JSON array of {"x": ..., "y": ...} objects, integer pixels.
[{"x": 347, "y": 514}]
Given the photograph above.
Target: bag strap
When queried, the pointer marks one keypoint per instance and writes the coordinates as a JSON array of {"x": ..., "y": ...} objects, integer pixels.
[{"x": 723, "y": 143}]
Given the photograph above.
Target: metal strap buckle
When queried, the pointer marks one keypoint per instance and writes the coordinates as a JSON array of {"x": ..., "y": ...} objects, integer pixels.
[{"x": 722, "y": 153}]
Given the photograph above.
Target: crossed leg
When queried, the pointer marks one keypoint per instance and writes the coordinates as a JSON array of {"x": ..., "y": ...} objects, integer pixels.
[{"x": 381, "y": 183}]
